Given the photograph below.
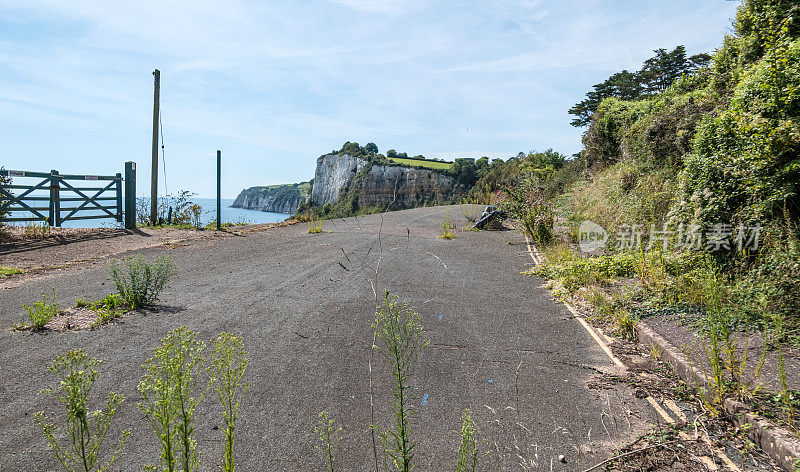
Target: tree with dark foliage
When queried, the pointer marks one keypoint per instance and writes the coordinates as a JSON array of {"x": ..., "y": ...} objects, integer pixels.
[{"x": 657, "y": 73}]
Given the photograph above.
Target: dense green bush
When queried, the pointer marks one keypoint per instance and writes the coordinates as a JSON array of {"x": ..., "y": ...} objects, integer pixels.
[
  {"x": 574, "y": 271},
  {"x": 140, "y": 282},
  {"x": 4, "y": 180},
  {"x": 746, "y": 161},
  {"x": 768, "y": 292},
  {"x": 500, "y": 176},
  {"x": 730, "y": 131}
]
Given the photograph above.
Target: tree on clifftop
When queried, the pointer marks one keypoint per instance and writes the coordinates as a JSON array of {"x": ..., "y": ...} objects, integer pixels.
[{"x": 657, "y": 73}]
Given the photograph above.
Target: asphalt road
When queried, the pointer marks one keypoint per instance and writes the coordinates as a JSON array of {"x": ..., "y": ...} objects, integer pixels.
[{"x": 303, "y": 304}]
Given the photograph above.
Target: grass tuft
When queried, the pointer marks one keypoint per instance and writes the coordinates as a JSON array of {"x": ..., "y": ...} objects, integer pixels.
[
  {"x": 8, "y": 271},
  {"x": 42, "y": 312},
  {"x": 315, "y": 225},
  {"x": 447, "y": 227}
]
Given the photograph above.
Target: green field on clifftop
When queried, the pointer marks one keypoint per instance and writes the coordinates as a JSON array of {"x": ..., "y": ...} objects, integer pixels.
[{"x": 425, "y": 164}]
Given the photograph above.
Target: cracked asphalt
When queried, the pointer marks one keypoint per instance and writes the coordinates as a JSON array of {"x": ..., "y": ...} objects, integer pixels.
[{"x": 303, "y": 304}]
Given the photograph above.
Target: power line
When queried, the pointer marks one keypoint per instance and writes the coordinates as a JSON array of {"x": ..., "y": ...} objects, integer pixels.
[{"x": 163, "y": 158}]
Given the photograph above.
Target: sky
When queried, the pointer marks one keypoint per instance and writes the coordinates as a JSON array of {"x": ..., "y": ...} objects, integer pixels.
[{"x": 275, "y": 84}]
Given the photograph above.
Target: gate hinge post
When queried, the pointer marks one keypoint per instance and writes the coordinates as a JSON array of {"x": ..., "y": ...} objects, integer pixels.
[{"x": 55, "y": 203}]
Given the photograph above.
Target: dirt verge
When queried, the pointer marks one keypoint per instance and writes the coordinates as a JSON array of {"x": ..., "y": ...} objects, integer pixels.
[{"x": 68, "y": 247}]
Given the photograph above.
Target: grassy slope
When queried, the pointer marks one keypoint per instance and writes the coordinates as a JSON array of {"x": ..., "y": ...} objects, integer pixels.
[
  {"x": 422, "y": 164},
  {"x": 302, "y": 187}
]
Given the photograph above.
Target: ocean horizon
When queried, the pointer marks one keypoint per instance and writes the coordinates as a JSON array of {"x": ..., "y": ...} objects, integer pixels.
[{"x": 209, "y": 205}]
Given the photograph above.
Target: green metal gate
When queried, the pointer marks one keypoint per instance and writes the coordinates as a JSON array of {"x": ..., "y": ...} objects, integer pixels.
[{"x": 55, "y": 198}]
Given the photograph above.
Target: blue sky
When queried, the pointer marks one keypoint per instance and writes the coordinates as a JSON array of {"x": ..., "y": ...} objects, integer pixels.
[{"x": 275, "y": 84}]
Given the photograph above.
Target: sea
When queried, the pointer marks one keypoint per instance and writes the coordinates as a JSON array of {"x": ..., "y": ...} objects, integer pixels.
[{"x": 229, "y": 215}]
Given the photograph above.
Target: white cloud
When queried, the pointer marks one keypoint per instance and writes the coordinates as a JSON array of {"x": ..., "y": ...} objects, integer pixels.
[{"x": 393, "y": 7}]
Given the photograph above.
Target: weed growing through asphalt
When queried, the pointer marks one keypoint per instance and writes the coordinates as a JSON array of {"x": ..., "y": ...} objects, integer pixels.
[
  {"x": 625, "y": 324},
  {"x": 612, "y": 311},
  {"x": 85, "y": 430},
  {"x": 727, "y": 362},
  {"x": 538, "y": 220},
  {"x": 108, "y": 308},
  {"x": 170, "y": 397},
  {"x": 400, "y": 339},
  {"x": 471, "y": 211},
  {"x": 37, "y": 230},
  {"x": 785, "y": 393},
  {"x": 8, "y": 271},
  {"x": 469, "y": 451},
  {"x": 655, "y": 351},
  {"x": 42, "y": 312},
  {"x": 447, "y": 227},
  {"x": 315, "y": 225},
  {"x": 139, "y": 282},
  {"x": 226, "y": 370},
  {"x": 329, "y": 437}
]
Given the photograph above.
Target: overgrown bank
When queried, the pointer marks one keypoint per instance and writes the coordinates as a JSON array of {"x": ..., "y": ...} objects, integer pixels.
[{"x": 684, "y": 199}]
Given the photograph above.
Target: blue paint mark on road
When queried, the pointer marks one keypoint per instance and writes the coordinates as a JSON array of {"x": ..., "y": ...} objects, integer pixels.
[{"x": 424, "y": 400}]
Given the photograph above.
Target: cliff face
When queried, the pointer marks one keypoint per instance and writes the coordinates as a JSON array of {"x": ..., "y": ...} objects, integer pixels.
[
  {"x": 370, "y": 185},
  {"x": 275, "y": 198},
  {"x": 334, "y": 173},
  {"x": 406, "y": 187}
]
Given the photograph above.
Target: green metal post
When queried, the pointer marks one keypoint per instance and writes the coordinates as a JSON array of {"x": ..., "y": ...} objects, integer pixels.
[
  {"x": 130, "y": 195},
  {"x": 55, "y": 201},
  {"x": 119, "y": 198},
  {"x": 219, "y": 189},
  {"x": 51, "y": 220}
]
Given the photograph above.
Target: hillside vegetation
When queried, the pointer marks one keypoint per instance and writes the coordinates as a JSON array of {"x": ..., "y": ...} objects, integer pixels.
[{"x": 715, "y": 152}]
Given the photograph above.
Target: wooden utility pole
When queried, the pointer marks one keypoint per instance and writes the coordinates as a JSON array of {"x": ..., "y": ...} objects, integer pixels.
[{"x": 154, "y": 174}]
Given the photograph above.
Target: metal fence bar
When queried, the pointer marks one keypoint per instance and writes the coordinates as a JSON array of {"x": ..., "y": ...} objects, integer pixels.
[
  {"x": 80, "y": 199},
  {"x": 90, "y": 217},
  {"x": 23, "y": 173},
  {"x": 89, "y": 177},
  {"x": 27, "y": 208},
  {"x": 105, "y": 207},
  {"x": 85, "y": 189},
  {"x": 20, "y": 187},
  {"x": 22, "y": 219},
  {"x": 43, "y": 199}
]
